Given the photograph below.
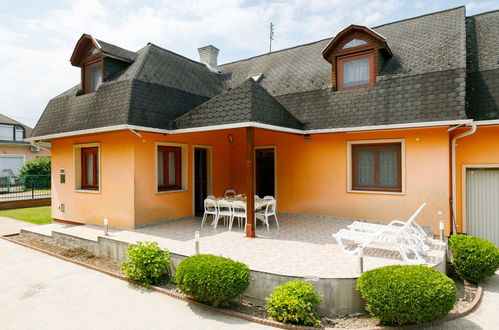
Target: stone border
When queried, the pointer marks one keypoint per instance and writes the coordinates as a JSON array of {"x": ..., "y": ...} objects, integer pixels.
[{"x": 255, "y": 319}]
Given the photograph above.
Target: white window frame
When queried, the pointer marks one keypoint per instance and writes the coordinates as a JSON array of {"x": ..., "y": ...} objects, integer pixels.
[
  {"x": 349, "y": 166},
  {"x": 184, "y": 167},
  {"x": 77, "y": 167}
]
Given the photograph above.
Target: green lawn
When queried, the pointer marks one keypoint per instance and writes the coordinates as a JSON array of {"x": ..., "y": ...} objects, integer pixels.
[{"x": 37, "y": 215}]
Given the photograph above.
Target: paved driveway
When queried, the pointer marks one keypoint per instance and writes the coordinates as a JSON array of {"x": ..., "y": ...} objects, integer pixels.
[{"x": 38, "y": 291}]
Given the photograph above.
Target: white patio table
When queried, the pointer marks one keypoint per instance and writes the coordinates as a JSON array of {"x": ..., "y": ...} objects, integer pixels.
[{"x": 259, "y": 203}]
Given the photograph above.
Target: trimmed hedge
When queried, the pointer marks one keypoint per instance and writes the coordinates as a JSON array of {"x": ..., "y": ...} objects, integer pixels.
[
  {"x": 473, "y": 258},
  {"x": 405, "y": 294},
  {"x": 294, "y": 302},
  {"x": 212, "y": 279},
  {"x": 146, "y": 263}
]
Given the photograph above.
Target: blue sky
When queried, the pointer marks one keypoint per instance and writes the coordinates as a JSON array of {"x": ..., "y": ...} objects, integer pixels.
[{"x": 37, "y": 37}]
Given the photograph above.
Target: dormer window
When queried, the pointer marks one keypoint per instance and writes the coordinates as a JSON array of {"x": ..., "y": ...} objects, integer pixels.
[
  {"x": 92, "y": 76},
  {"x": 355, "y": 54},
  {"x": 355, "y": 71},
  {"x": 354, "y": 43}
]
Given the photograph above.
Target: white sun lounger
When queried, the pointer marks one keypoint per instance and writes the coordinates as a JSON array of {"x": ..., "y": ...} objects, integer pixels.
[
  {"x": 403, "y": 240},
  {"x": 394, "y": 226}
]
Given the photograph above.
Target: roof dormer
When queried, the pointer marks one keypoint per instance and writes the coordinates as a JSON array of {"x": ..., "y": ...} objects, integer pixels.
[
  {"x": 99, "y": 61},
  {"x": 355, "y": 54}
]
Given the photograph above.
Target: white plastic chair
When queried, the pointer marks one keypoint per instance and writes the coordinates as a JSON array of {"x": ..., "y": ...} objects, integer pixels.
[
  {"x": 268, "y": 198},
  {"x": 230, "y": 193},
  {"x": 210, "y": 208},
  {"x": 267, "y": 212},
  {"x": 211, "y": 197},
  {"x": 394, "y": 226},
  {"x": 239, "y": 212},
  {"x": 224, "y": 210}
]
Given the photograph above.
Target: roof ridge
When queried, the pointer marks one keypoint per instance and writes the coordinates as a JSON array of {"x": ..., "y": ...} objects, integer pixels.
[
  {"x": 485, "y": 13},
  {"x": 176, "y": 54},
  {"x": 419, "y": 16},
  {"x": 277, "y": 51}
]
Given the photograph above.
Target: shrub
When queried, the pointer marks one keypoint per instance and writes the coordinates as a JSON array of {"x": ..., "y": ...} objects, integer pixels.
[
  {"x": 473, "y": 258},
  {"x": 147, "y": 263},
  {"x": 212, "y": 279},
  {"x": 38, "y": 166},
  {"x": 407, "y": 294},
  {"x": 294, "y": 302}
]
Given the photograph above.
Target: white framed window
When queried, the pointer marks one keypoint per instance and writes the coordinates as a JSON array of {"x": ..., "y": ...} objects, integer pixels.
[
  {"x": 19, "y": 133},
  {"x": 6, "y": 132}
]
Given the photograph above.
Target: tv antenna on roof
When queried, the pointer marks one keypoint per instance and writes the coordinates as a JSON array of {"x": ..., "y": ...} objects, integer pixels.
[{"x": 271, "y": 36}]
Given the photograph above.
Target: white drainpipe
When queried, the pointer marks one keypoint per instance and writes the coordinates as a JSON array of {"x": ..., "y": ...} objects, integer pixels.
[{"x": 453, "y": 160}]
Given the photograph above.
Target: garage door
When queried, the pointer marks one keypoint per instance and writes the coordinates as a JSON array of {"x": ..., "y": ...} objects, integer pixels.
[
  {"x": 482, "y": 203},
  {"x": 10, "y": 164}
]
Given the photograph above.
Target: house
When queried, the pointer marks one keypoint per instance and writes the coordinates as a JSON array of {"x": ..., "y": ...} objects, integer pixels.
[
  {"x": 365, "y": 125},
  {"x": 14, "y": 151}
]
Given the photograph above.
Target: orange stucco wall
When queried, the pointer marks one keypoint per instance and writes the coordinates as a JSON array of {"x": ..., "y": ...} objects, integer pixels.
[
  {"x": 481, "y": 148},
  {"x": 311, "y": 177},
  {"x": 115, "y": 198}
]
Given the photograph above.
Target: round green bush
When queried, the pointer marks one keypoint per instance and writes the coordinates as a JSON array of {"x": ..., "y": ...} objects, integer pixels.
[
  {"x": 212, "y": 279},
  {"x": 405, "y": 294},
  {"x": 147, "y": 263},
  {"x": 473, "y": 258},
  {"x": 294, "y": 302}
]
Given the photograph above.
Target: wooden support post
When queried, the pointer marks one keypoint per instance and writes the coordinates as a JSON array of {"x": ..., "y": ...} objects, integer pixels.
[{"x": 250, "y": 181}]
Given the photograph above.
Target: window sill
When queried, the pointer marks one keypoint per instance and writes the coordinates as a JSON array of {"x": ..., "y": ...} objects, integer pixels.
[
  {"x": 87, "y": 191},
  {"x": 377, "y": 192},
  {"x": 161, "y": 192}
]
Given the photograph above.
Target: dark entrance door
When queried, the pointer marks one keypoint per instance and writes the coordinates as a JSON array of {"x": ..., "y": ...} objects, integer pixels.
[
  {"x": 265, "y": 172},
  {"x": 200, "y": 179}
]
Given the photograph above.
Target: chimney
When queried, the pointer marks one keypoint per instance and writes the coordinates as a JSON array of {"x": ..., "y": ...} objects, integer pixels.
[{"x": 208, "y": 55}]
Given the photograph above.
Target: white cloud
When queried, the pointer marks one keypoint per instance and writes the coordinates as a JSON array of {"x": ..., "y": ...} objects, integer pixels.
[{"x": 35, "y": 50}]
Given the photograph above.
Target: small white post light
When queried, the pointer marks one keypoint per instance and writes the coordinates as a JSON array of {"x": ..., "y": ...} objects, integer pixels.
[
  {"x": 361, "y": 261},
  {"x": 196, "y": 240},
  {"x": 442, "y": 228},
  {"x": 106, "y": 226}
]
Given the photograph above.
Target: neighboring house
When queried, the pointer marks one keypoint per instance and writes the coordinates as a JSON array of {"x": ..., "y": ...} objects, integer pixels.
[
  {"x": 14, "y": 151},
  {"x": 358, "y": 126}
]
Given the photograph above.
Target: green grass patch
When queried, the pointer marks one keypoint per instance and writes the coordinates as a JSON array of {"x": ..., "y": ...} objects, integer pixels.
[{"x": 36, "y": 215}]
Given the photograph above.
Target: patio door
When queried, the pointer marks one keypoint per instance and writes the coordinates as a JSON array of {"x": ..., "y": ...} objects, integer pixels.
[
  {"x": 265, "y": 172},
  {"x": 200, "y": 179}
]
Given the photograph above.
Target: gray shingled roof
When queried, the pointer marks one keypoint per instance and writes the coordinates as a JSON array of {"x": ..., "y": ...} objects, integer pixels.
[
  {"x": 152, "y": 91},
  {"x": 248, "y": 102},
  {"x": 423, "y": 44},
  {"x": 425, "y": 80},
  {"x": 482, "y": 92}
]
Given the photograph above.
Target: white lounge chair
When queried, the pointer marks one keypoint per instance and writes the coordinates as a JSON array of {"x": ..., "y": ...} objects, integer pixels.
[
  {"x": 394, "y": 226},
  {"x": 403, "y": 240}
]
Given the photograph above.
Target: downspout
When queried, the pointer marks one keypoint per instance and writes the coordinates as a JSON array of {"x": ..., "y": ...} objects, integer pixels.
[
  {"x": 453, "y": 160},
  {"x": 34, "y": 144}
]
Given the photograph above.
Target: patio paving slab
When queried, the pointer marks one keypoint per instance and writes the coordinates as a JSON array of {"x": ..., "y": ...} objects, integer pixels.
[
  {"x": 302, "y": 247},
  {"x": 10, "y": 226}
]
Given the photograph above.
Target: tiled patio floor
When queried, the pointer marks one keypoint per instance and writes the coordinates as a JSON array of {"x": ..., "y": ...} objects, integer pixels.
[{"x": 302, "y": 247}]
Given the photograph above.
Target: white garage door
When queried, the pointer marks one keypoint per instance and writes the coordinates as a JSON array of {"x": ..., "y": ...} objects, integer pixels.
[
  {"x": 10, "y": 164},
  {"x": 482, "y": 203}
]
